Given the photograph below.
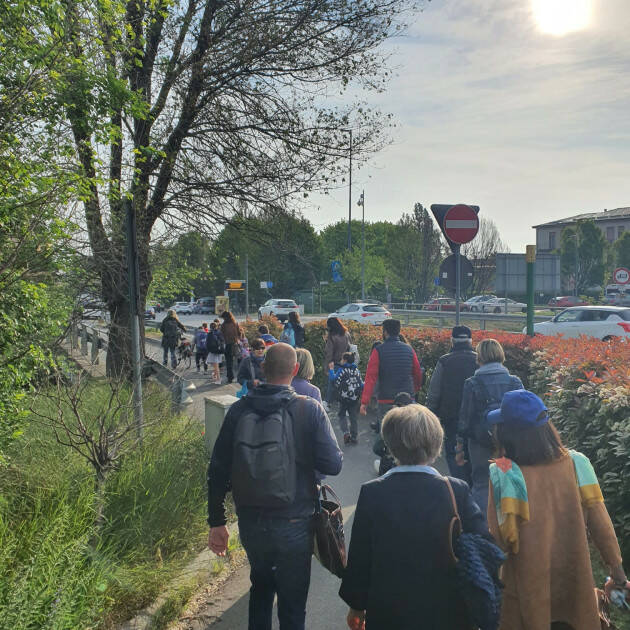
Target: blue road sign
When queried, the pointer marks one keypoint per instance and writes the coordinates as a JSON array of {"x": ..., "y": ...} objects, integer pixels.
[{"x": 436, "y": 282}]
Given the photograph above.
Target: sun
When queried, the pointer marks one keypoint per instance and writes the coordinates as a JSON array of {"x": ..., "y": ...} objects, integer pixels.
[{"x": 559, "y": 17}]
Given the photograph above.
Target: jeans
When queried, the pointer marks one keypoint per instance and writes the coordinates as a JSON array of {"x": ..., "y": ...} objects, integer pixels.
[
  {"x": 330, "y": 388},
  {"x": 480, "y": 463},
  {"x": 279, "y": 553},
  {"x": 352, "y": 409},
  {"x": 173, "y": 357},
  {"x": 229, "y": 361},
  {"x": 459, "y": 472},
  {"x": 200, "y": 357}
]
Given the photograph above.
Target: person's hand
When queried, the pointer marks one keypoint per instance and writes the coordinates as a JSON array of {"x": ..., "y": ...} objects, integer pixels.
[
  {"x": 460, "y": 458},
  {"x": 331, "y": 365},
  {"x": 356, "y": 619},
  {"x": 218, "y": 540},
  {"x": 256, "y": 382},
  {"x": 363, "y": 410}
]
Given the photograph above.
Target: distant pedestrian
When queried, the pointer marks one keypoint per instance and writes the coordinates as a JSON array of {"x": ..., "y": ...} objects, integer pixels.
[
  {"x": 385, "y": 461},
  {"x": 445, "y": 393},
  {"x": 545, "y": 505},
  {"x": 394, "y": 366},
  {"x": 400, "y": 575},
  {"x": 264, "y": 334},
  {"x": 250, "y": 370},
  {"x": 349, "y": 384},
  {"x": 483, "y": 392},
  {"x": 231, "y": 334},
  {"x": 200, "y": 347},
  {"x": 301, "y": 382},
  {"x": 293, "y": 331},
  {"x": 216, "y": 346},
  {"x": 338, "y": 341},
  {"x": 275, "y": 496},
  {"x": 171, "y": 329}
]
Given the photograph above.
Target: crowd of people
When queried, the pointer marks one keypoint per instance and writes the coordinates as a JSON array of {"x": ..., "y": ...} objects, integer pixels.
[{"x": 513, "y": 486}]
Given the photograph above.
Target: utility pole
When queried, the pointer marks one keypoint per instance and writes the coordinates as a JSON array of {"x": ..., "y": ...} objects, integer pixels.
[
  {"x": 133, "y": 281},
  {"x": 530, "y": 259},
  {"x": 246, "y": 286},
  {"x": 350, "y": 196},
  {"x": 361, "y": 203}
]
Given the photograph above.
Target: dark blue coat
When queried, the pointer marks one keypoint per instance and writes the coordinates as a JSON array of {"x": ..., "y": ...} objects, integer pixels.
[{"x": 398, "y": 565}]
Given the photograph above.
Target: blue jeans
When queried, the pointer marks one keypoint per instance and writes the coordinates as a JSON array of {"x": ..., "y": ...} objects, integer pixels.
[
  {"x": 173, "y": 357},
  {"x": 279, "y": 553}
]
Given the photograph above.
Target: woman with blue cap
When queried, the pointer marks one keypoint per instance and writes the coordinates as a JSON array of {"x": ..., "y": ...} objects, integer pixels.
[{"x": 544, "y": 499}]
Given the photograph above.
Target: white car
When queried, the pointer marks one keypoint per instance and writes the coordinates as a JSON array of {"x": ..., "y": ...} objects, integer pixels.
[
  {"x": 602, "y": 322},
  {"x": 498, "y": 305},
  {"x": 279, "y": 308},
  {"x": 183, "y": 308},
  {"x": 363, "y": 312},
  {"x": 475, "y": 303}
]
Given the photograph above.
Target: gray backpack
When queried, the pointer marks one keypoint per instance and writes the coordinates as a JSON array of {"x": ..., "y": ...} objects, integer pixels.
[{"x": 264, "y": 458}]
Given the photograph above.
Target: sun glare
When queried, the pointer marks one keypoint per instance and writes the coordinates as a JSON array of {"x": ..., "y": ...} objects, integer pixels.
[{"x": 559, "y": 17}]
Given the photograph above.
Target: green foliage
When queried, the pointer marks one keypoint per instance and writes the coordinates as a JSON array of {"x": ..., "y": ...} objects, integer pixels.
[
  {"x": 173, "y": 277},
  {"x": 622, "y": 251},
  {"x": 351, "y": 266},
  {"x": 590, "y": 264},
  {"x": 57, "y": 570}
]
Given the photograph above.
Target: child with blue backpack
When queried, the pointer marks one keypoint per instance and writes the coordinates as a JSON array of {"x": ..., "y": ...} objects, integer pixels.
[
  {"x": 201, "y": 351},
  {"x": 349, "y": 384}
]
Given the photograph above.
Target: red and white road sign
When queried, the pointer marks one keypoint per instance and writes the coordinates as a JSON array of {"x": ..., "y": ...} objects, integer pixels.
[
  {"x": 461, "y": 224},
  {"x": 621, "y": 275}
]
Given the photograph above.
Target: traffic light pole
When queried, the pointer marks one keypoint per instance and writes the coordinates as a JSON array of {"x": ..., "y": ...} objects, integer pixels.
[
  {"x": 530, "y": 259},
  {"x": 458, "y": 281}
]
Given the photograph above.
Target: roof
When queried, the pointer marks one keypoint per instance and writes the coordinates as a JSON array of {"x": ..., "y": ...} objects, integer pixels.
[
  {"x": 612, "y": 309},
  {"x": 606, "y": 215}
]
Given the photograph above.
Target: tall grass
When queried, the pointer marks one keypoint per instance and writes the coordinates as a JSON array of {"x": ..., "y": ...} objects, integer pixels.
[{"x": 56, "y": 570}]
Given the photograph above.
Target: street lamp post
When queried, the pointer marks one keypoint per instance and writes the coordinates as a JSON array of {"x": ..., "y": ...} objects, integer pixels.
[
  {"x": 577, "y": 241},
  {"x": 361, "y": 203},
  {"x": 350, "y": 196}
]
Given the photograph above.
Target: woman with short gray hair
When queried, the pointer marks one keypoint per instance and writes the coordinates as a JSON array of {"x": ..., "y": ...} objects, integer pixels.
[{"x": 400, "y": 574}]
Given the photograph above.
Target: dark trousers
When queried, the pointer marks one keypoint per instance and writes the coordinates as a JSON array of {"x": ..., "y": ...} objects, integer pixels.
[
  {"x": 229, "y": 361},
  {"x": 479, "y": 456},
  {"x": 279, "y": 553},
  {"x": 351, "y": 408},
  {"x": 459, "y": 472},
  {"x": 200, "y": 357}
]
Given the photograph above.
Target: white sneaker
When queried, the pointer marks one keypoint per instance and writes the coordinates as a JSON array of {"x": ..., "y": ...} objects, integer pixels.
[
  {"x": 326, "y": 406},
  {"x": 377, "y": 465}
]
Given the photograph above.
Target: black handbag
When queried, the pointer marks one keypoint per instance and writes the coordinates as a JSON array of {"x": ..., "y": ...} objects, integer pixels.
[{"x": 330, "y": 539}]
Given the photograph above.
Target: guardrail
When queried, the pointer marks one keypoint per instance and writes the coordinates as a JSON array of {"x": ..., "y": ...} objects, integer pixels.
[
  {"x": 91, "y": 339},
  {"x": 407, "y": 315}
]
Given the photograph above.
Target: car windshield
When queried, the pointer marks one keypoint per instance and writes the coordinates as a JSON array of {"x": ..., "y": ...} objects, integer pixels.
[
  {"x": 625, "y": 314},
  {"x": 374, "y": 308},
  {"x": 286, "y": 303}
]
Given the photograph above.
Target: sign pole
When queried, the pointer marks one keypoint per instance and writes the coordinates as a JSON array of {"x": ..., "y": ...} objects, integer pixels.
[
  {"x": 246, "y": 287},
  {"x": 458, "y": 281},
  {"x": 530, "y": 259}
]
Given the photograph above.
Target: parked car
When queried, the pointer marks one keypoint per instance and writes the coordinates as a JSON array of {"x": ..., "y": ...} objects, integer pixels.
[
  {"x": 621, "y": 299},
  {"x": 204, "y": 305},
  {"x": 475, "y": 303},
  {"x": 363, "y": 312},
  {"x": 566, "y": 301},
  {"x": 183, "y": 308},
  {"x": 444, "y": 304},
  {"x": 602, "y": 322},
  {"x": 149, "y": 312},
  {"x": 278, "y": 307},
  {"x": 498, "y": 305}
]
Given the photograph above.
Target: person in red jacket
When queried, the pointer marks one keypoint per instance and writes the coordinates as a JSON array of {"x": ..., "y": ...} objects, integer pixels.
[{"x": 395, "y": 366}]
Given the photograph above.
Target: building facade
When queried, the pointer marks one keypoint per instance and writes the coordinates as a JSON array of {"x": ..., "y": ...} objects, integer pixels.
[{"x": 612, "y": 223}]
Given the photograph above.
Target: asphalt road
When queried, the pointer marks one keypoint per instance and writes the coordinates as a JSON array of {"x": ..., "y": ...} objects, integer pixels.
[{"x": 325, "y": 610}]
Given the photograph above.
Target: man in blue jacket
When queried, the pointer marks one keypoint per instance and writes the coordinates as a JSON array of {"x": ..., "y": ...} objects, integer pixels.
[{"x": 277, "y": 530}]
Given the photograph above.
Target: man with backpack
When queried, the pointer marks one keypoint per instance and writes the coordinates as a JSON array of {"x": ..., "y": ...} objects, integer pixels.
[
  {"x": 170, "y": 329},
  {"x": 201, "y": 347},
  {"x": 269, "y": 450}
]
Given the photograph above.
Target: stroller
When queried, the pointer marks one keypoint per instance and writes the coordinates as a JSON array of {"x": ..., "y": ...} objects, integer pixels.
[{"x": 184, "y": 352}]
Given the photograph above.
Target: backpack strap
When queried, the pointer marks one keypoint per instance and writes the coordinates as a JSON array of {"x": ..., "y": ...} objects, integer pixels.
[{"x": 455, "y": 524}]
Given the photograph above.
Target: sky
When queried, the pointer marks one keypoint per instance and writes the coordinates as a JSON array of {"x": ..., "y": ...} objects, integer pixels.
[{"x": 494, "y": 110}]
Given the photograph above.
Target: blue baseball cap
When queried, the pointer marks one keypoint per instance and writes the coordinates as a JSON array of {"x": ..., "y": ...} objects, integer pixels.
[{"x": 520, "y": 407}]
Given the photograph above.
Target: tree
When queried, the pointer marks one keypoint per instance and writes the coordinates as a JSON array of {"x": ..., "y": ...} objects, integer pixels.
[
  {"x": 481, "y": 252},
  {"x": 375, "y": 272},
  {"x": 588, "y": 267},
  {"x": 189, "y": 111},
  {"x": 622, "y": 251}
]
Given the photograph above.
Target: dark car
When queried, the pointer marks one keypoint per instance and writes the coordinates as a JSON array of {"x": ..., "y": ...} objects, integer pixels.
[
  {"x": 149, "y": 312},
  {"x": 204, "y": 305}
]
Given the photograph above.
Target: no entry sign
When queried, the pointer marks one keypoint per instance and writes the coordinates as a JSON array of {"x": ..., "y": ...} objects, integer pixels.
[
  {"x": 461, "y": 224},
  {"x": 621, "y": 275}
]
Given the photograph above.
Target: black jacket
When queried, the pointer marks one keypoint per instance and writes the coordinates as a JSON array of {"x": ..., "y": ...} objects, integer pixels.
[
  {"x": 248, "y": 370},
  {"x": 170, "y": 328},
  {"x": 447, "y": 384},
  {"x": 319, "y": 447},
  {"x": 398, "y": 564}
]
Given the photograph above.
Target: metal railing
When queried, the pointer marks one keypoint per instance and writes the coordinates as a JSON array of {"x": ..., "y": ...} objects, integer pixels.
[
  {"x": 406, "y": 315},
  {"x": 90, "y": 340}
]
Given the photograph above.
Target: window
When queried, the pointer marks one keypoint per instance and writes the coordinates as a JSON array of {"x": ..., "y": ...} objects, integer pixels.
[
  {"x": 352, "y": 308},
  {"x": 569, "y": 316},
  {"x": 610, "y": 234},
  {"x": 620, "y": 230},
  {"x": 594, "y": 316},
  {"x": 552, "y": 240},
  {"x": 286, "y": 303},
  {"x": 344, "y": 308},
  {"x": 624, "y": 314},
  {"x": 373, "y": 309}
]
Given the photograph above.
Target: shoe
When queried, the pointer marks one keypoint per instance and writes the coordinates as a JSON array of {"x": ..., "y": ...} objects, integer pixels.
[
  {"x": 164, "y": 362},
  {"x": 377, "y": 465},
  {"x": 353, "y": 440},
  {"x": 326, "y": 406},
  {"x": 374, "y": 426},
  {"x": 198, "y": 370},
  {"x": 217, "y": 381},
  {"x": 346, "y": 438}
]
